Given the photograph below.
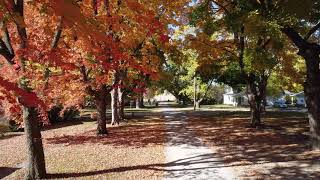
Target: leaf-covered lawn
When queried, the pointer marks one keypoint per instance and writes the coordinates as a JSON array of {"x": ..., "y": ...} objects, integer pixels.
[
  {"x": 135, "y": 150},
  {"x": 280, "y": 151},
  {"x": 73, "y": 151}
]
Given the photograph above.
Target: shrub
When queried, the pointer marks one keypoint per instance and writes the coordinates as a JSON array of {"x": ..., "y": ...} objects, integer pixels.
[
  {"x": 70, "y": 113},
  {"x": 58, "y": 114},
  {"x": 54, "y": 114}
]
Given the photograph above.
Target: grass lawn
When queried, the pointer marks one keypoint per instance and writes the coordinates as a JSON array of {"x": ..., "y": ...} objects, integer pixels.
[
  {"x": 220, "y": 106},
  {"x": 72, "y": 150}
]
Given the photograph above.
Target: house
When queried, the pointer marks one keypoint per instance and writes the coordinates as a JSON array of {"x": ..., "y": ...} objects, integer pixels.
[
  {"x": 300, "y": 99},
  {"x": 235, "y": 99},
  {"x": 288, "y": 97},
  {"x": 241, "y": 99}
]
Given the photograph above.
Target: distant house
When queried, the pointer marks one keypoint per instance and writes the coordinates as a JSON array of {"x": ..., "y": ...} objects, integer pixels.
[
  {"x": 300, "y": 99},
  {"x": 297, "y": 99},
  {"x": 241, "y": 99},
  {"x": 235, "y": 99}
]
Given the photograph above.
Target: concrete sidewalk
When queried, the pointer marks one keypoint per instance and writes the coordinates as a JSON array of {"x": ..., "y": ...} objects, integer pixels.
[{"x": 186, "y": 156}]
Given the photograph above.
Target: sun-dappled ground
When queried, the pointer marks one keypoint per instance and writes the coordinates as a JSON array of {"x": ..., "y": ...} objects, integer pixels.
[
  {"x": 72, "y": 150},
  {"x": 279, "y": 151},
  {"x": 136, "y": 149}
]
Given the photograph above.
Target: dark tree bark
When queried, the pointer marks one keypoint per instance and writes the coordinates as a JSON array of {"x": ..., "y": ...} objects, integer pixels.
[
  {"x": 101, "y": 104},
  {"x": 141, "y": 103},
  {"x": 310, "y": 52},
  {"x": 100, "y": 97},
  {"x": 36, "y": 163},
  {"x": 254, "y": 101},
  {"x": 256, "y": 90},
  {"x": 264, "y": 104}
]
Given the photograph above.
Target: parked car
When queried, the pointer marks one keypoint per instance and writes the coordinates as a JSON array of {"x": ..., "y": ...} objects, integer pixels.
[{"x": 280, "y": 105}]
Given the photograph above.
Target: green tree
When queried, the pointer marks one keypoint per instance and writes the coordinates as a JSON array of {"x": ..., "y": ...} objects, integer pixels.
[{"x": 241, "y": 35}]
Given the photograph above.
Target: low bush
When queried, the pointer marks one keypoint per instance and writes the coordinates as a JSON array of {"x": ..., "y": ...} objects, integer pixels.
[{"x": 56, "y": 115}]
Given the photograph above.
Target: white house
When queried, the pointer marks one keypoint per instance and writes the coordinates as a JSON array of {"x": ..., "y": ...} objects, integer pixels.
[
  {"x": 241, "y": 99},
  {"x": 235, "y": 99}
]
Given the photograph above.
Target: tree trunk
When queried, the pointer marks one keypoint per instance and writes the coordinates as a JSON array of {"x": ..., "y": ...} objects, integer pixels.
[
  {"x": 310, "y": 52},
  {"x": 198, "y": 104},
  {"x": 313, "y": 104},
  {"x": 194, "y": 92},
  {"x": 312, "y": 94},
  {"x": 264, "y": 104},
  {"x": 255, "y": 115},
  {"x": 114, "y": 107},
  {"x": 36, "y": 163},
  {"x": 101, "y": 116},
  {"x": 254, "y": 101},
  {"x": 139, "y": 102},
  {"x": 263, "y": 92},
  {"x": 121, "y": 104}
]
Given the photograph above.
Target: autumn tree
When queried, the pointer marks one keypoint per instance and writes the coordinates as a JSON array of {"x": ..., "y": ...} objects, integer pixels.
[
  {"x": 299, "y": 21},
  {"x": 231, "y": 31},
  {"x": 80, "y": 42},
  {"x": 27, "y": 44}
]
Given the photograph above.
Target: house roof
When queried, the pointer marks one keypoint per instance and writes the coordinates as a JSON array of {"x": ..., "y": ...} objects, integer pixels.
[
  {"x": 299, "y": 94},
  {"x": 288, "y": 93}
]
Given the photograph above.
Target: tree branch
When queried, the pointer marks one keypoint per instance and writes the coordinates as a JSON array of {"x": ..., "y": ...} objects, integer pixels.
[
  {"x": 95, "y": 7},
  {"x": 221, "y": 6},
  {"x": 294, "y": 36},
  {"x": 7, "y": 40},
  {"x": 207, "y": 89},
  {"x": 266, "y": 43},
  {"x": 4, "y": 51},
  {"x": 313, "y": 30},
  {"x": 57, "y": 35},
  {"x": 84, "y": 73}
]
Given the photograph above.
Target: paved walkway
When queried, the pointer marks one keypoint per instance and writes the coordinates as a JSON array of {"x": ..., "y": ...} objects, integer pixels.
[{"x": 187, "y": 156}]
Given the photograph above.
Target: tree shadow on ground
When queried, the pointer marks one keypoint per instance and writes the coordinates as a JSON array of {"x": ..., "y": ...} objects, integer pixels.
[
  {"x": 289, "y": 173},
  {"x": 137, "y": 133},
  {"x": 284, "y": 140},
  {"x": 175, "y": 166},
  {"x": 6, "y": 171},
  {"x": 8, "y": 136}
]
